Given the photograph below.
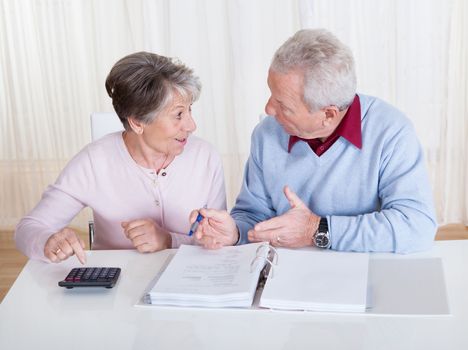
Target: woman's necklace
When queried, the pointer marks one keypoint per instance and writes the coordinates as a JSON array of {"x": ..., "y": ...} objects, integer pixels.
[{"x": 151, "y": 174}]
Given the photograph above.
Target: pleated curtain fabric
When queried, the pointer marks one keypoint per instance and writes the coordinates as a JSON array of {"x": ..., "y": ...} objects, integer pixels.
[{"x": 55, "y": 55}]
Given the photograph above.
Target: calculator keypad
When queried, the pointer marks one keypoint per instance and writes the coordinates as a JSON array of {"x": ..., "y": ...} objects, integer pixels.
[{"x": 91, "y": 277}]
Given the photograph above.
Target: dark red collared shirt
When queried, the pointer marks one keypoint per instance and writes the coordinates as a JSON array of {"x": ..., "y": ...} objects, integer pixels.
[{"x": 349, "y": 128}]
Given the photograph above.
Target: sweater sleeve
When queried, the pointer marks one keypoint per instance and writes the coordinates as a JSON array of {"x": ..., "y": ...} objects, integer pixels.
[
  {"x": 216, "y": 196},
  {"x": 253, "y": 203},
  {"x": 58, "y": 206},
  {"x": 217, "y": 191},
  {"x": 54, "y": 211},
  {"x": 406, "y": 220}
]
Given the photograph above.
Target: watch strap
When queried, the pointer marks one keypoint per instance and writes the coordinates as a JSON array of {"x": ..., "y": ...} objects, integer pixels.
[{"x": 323, "y": 225}]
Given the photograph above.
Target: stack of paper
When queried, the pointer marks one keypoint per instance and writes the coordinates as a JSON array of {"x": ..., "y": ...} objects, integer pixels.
[
  {"x": 319, "y": 280},
  {"x": 210, "y": 278},
  {"x": 302, "y": 279}
]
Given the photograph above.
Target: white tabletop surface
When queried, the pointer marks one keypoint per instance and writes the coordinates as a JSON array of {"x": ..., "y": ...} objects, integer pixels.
[{"x": 37, "y": 314}]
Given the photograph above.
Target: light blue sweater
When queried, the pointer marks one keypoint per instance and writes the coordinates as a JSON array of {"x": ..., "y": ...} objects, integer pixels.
[{"x": 377, "y": 198}]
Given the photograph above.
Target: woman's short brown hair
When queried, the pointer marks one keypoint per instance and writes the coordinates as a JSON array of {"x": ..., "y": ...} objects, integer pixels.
[{"x": 143, "y": 83}]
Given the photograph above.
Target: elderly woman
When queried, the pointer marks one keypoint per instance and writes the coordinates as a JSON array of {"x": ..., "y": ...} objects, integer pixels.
[{"x": 141, "y": 183}]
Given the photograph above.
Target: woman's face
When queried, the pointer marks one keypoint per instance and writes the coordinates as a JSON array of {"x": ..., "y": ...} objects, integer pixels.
[{"x": 168, "y": 133}]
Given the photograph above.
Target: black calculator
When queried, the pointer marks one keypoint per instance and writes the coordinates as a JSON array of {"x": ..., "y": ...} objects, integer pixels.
[{"x": 91, "y": 277}]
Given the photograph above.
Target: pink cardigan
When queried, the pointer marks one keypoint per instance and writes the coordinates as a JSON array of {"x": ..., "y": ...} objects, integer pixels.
[{"x": 104, "y": 177}]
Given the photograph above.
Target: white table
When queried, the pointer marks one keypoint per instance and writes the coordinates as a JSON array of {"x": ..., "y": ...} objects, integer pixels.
[{"x": 37, "y": 314}]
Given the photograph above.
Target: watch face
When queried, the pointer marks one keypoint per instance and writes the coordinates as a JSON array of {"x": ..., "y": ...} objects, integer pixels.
[{"x": 321, "y": 240}]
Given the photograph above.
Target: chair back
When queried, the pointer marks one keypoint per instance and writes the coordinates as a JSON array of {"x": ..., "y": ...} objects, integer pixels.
[{"x": 103, "y": 123}]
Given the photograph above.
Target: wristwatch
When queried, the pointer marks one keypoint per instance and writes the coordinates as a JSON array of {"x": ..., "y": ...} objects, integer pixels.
[{"x": 322, "y": 236}]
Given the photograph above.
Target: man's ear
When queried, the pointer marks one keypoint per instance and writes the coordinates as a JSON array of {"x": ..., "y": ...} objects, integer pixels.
[
  {"x": 331, "y": 113},
  {"x": 136, "y": 125},
  {"x": 330, "y": 116}
]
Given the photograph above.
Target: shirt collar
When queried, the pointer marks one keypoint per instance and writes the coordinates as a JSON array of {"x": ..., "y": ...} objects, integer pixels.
[{"x": 349, "y": 128}]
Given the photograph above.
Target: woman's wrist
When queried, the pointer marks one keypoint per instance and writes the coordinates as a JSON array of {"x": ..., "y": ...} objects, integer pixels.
[{"x": 168, "y": 240}]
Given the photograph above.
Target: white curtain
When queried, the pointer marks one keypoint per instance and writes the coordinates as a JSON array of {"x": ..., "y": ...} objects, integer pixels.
[
  {"x": 414, "y": 54},
  {"x": 55, "y": 55}
]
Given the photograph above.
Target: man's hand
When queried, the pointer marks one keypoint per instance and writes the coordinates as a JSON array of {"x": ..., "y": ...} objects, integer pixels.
[
  {"x": 146, "y": 235},
  {"x": 63, "y": 244},
  {"x": 293, "y": 229},
  {"x": 217, "y": 228}
]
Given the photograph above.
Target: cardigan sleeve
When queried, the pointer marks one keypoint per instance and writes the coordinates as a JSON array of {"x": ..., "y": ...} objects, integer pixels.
[
  {"x": 59, "y": 204},
  {"x": 406, "y": 220}
]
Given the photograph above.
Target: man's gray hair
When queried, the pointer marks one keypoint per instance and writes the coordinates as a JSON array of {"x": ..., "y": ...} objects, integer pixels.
[
  {"x": 142, "y": 84},
  {"x": 328, "y": 66}
]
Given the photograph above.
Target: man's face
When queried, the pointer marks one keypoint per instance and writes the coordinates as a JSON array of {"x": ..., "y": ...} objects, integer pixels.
[{"x": 287, "y": 105}]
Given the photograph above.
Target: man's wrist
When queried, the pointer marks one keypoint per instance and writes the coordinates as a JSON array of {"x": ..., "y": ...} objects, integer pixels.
[
  {"x": 312, "y": 228},
  {"x": 322, "y": 235}
]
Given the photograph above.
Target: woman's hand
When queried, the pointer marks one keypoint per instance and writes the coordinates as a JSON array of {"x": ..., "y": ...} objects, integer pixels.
[
  {"x": 63, "y": 244},
  {"x": 146, "y": 235}
]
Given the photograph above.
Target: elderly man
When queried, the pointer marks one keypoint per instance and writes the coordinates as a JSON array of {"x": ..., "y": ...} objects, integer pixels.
[{"x": 328, "y": 168}]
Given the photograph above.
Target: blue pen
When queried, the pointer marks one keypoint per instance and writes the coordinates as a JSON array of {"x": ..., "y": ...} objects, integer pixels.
[{"x": 194, "y": 226}]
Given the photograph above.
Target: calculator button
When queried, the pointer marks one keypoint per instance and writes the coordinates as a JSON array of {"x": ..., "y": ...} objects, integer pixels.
[{"x": 88, "y": 274}]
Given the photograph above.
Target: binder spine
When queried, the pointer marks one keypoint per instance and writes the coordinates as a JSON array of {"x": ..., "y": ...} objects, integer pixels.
[{"x": 267, "y": 256}]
